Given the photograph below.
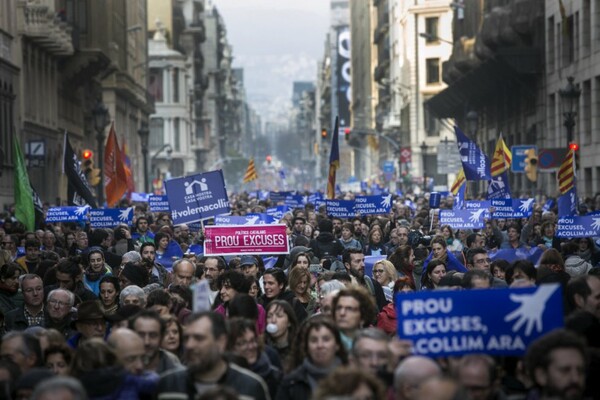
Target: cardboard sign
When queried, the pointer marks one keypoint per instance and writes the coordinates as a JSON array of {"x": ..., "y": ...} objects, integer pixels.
[
  {"x": 449, "y": 323},
  {"x": 245, "y": 239}
]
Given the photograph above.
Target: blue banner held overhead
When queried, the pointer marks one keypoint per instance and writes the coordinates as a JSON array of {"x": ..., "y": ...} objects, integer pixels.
[
  {"x": 498, "y": 187},
  {"x": 197, "y": 197},
  {"x": 456, "y": 322},
  {"x": 511, "y": 255},
  {"x": 158, "y": 203},
  {"x": 548, "y": 205},
  {"x": 477, "y": 204},
  {"x": 578, "y": 226},
  {"x": 463, "y": 219},
  {"x": 68, "y": 214},
  {"x": 512, "y": 208},
  {"x": 459, "y": 199},
  {"x": 295, "y": 200},
  {"x": 110, "y": 217},
  {"x": 140, "y": 197},
  {"x": 261, "y": 218},
  {"x": 340, "y": 208},
  {"x": 567, "y": 203},
  {"x": 370, "y": 205},
  {"x": 474, "y": 161},
  {"x": 277, "y": 212},
  {"x": 277, "y": 197},
  {"x": 312, "y": 198}
]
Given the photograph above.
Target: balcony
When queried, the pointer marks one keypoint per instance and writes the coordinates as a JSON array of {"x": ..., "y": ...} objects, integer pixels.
[{"x": 38, "y": 22}]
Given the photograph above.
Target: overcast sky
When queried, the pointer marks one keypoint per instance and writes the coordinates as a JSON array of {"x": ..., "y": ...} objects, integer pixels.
[{"x": 276, "y": 42}]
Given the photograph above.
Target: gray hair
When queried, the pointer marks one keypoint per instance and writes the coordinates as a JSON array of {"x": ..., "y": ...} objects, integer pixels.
[
  {"x": 177, "y": 263},
  {"x": 133, "y": 290},
  {"x": 68, "y": 292},
  {"x": 55, "y": 385},
  {"x": 131, "y": 256},
  {"x": 331, "y": 286},
  {"x": 369, "y": 333}
]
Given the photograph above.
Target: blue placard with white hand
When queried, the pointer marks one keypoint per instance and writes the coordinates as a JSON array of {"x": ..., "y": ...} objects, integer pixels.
[
  {"x": 578, "y": 226},
  {"x": 158, "y": 203},
  {"x": 498, "y": 187},
  {"x": 512, "y": 208},
  {"x": 312, "y": 198},
  {"x": 68, "y": 214},
  {"x": 110, "y": 217},
  {"x": 261, "y": 218},
  {"x": 455, "y": 322},
  {"x": 295, "y": 200},
  {"x": 197, "y": 197},
  {"x": 277, "y": 212},
  {"x": 340, "y": 208},
  {"x": 369, "y": 205},
  {"x": 463, "y": 219},
  {"x": 276, "y": 197}
]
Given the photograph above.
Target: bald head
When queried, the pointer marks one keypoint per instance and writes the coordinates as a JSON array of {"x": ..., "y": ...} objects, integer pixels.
[
  {"x": 411, "y": 373},
  {"x": 129, "y": 347},
  {"x": 438, "y": 388}
]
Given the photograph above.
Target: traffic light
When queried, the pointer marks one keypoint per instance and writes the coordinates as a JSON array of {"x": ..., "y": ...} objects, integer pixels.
[
  {"x": 347, "y": 134},
  {"x": 92, "y": 174},
  {"x": 531, "y": 164},
  {"x": 324, "y": 134},
  {"x": 573, "y": 146},
  {"x": 269, "y": 159}
]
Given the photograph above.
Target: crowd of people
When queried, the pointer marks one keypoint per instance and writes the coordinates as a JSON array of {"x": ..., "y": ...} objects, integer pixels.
[{"x": 108, "y": 313}]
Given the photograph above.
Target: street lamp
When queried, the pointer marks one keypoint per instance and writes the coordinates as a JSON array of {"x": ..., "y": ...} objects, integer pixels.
[
  {"x": 144, "y": 134},
  {"x": 101, "y": 121},
  {"x": 432, "y": 38},
  {"x": 423, "y": 150},
  {"x": 569, "y": 98},
  {"x": 472, "y": 119}
]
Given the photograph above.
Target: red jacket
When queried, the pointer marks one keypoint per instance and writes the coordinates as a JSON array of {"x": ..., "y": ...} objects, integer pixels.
[{"x": 386, "y": 319}]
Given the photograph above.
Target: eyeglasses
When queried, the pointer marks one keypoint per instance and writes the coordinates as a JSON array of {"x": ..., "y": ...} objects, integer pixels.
[
  {"x": 378, "y": 271},
  {"x": 58, "y": 303}
]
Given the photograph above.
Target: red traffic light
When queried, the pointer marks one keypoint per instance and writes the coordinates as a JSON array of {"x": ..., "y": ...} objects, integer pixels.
[
  {"x": 87, "y": 154},
  {"x": 324, "y": 133},
  {"x": 269, "y": 158},
  {"x": 347, "y": 131},
  {"x": 573, "y": 146}
]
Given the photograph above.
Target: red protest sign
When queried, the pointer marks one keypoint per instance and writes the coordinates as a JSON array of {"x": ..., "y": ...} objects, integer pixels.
[{"x": 245, "y": 239}]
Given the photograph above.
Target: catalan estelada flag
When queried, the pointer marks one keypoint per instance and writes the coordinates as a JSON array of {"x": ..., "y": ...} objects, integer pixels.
[
  {"x": 458, "y": 182},
  {"x": 566, "y": 173},
  {"x": 501, "y": 159},
  {"x": 250, "y": 172},
  {"x": 334, "y": 160}
]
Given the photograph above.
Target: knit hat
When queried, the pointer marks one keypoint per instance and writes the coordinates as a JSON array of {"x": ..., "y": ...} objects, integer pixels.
[
  {"x": 326, "y": 226},
  {"x": 137, "y": 274}
]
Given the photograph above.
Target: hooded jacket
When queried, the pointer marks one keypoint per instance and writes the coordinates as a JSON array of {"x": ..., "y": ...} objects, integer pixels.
[
  {"x": 326, "y": 245},
  {"x": 577, "y": 266}
]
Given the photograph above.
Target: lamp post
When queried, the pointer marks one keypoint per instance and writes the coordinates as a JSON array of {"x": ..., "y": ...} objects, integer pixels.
[
  {"x": 144, "y": 134},
  {"x": 101, "y": 121},
  {"x": 423, "y": 150},
  {"x": 569, "y": 98}
]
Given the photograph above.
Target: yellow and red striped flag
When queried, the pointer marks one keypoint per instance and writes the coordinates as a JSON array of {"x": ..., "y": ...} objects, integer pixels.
[
  {"x": 501, "y": 159},
  {"x": 566, "y": 173},
  {"x": 115, "y": 177},
  {"x": 250, "y": 172},
  {"x": 458, "y": 182}
]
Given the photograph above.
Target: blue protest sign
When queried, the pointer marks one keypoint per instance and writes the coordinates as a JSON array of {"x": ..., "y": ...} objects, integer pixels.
[
  {"x": 578, "y": 226},
  {"x": 276, "y": 197},
  {"x": 340, "y": 208},
  {"x": 368, "y": 205},
  {"x": 463, "y": 219},
  {"x": 519, "y": 156},
  {"x": 312, "y": 198},
  {"x": 567, "y": 203},
  {"x": 231, "y": 220},
  {"x": 455, "y": 322},
  {"x": 512, "y": 208},
  {"x": 195, "y": 226},
  {"x": 277, "y": 212},
  {"x": 67, "y": 214},
  {"x": 261, "y": 218},
  {"x": 158, "y": 203},
  {"x": 110, "y": 217},
  {"x": 197, "y": 197},
  {"x": 498, "y": 187},
  {"x": 295, "y": 200},
  {"x": 533, "y": 254},
  {"x": 548, "y": 205},
  {"x": 196, "y": 249},
  {"x": 477, "y": 204},
  {"x": 140, "y": 197},
  {"x": 459, "y": 199},
  {"x": 434, "y": 200}
]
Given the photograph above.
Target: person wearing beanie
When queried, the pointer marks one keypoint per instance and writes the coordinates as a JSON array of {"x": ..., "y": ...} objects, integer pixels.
[
  {"x": 133, "y": 274},
  {"x": 326, "y": 245}
]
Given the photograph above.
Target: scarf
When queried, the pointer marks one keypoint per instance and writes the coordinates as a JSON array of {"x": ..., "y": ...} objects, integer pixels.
[
  {"x": 315, "y": 374},
  {"x": 94, "y": 276}
]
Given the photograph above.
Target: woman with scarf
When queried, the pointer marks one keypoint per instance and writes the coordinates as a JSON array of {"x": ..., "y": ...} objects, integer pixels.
[
  {"x": 245, "y": 345},
  {"x": 95, "y": 270},
  {"x": 110, "y": 289},
  {"x": 321, "y": 344}
]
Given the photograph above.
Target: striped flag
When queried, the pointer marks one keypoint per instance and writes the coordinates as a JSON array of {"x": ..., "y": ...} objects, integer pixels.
[
  {"x": 566, "y": 173},
  {"x": 502, "y": 158},
  {"x": 250, "y": 172},
  {"x": 115, "y": 177},
  {"x": 458, "y": 182},
  {"x": 334, "y": 160}
]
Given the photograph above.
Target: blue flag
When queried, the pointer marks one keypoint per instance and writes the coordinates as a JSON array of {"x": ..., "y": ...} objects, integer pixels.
[
  {"x": 459, "y": 199},
  {"x": 548, "y": 205},
  {"x": 567, "y": 203},
  {"x": 474, "y": 161},
  {"x": 498, "y": 187}
]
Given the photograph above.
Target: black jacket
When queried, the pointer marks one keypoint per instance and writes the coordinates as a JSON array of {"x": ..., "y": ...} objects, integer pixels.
[
  {"x": 326, "y": 245},
  {"x": 295, "y": 386},
  {"x": 178, "y": 383}
]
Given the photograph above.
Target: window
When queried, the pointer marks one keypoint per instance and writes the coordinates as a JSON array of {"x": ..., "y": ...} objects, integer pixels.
[
  {"x": 430, "y": 122},
  {"x": 175, "y": 85},
  {"x": 157, "y": 132},
  {"x": 431, "y": 29},
  {"x": 155, "y": 84},
  {"x": 177, "y": 134},
  {"x": 433, "y": 70}
]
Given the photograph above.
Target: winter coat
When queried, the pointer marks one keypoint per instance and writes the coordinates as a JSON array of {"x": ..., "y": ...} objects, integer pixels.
[
  {"x": 576, "y": 266},
  {"x": 387, "y": 320},
  {"x": 326, "y": 245}
]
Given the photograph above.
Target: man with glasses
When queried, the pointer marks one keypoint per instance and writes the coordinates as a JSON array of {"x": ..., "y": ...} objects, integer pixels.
[
  {"x": 9, "y": 244},
  {"x": 58, "y": 306},
  {"x": 478, "y": 259},
  {"x": 31, "y": 313},
  {"x": 90, "y": 323}
]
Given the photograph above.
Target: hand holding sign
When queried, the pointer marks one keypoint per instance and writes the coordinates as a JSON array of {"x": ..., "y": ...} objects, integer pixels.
[{"x": 531, "y": 309}]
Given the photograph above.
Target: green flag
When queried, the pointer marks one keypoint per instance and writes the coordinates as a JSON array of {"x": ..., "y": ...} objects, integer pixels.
[{"x": 24, "y": 210}]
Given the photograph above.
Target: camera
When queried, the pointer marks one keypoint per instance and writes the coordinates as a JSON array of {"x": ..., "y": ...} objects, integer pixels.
[{"x": 416, "y": 238}]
